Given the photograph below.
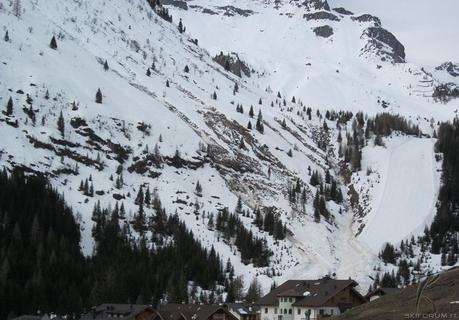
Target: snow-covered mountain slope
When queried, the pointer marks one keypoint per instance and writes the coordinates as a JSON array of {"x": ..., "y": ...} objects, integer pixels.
[
  {"x": 340, "y": 71},
  {"x": 168, "y": 137},
  {"x": 163, "y": 138},
  {"x": 426, "y": 28}
]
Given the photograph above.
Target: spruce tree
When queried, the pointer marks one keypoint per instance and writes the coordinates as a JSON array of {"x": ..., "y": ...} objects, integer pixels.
[
  {"x": 53, "y": 43},
  {"x": 98, "y": 96},
  {"x": 186, "y": 69},
  {"x": 106, "y": 65},
  {"x": 9, "y": 107},
  {"x": 7, "y": 37},
  {"x": 249, "y": 126},
  {"x": 251, "y": 113},
  {"x": 181, "y": 28},
  {"x": 148, "y": 72},
  {"x": 61, "y": 124}
]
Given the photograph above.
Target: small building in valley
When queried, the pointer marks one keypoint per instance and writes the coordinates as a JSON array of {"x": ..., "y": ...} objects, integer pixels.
[
  {"x": 379, "y": 292},
  {"x": 109, "y": 311},
  {"x": 175, "y": 311},
  {"x": 309, "y": 299},
  {"x": 244, "y": 311}
]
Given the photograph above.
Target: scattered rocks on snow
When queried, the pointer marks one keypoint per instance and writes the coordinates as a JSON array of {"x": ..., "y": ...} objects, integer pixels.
[{"x": 231, "y": 11}]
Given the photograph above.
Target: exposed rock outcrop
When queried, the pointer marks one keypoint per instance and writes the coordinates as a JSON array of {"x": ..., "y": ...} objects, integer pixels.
[
  {"x": 449, "y": 67},
  {"x": 321, "y": 15},
  {"x": 341, "y": 10},
  {"x": 233, "y": 64},
  {"x": 384, "y": 45},
  {"x": 368, "y": 18},
  {"x": 323, "y": 31}
]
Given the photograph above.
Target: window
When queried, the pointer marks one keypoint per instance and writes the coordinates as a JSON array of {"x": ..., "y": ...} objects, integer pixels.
[
  {"x": 289, "y": 299},
  {"x": 331, "y": 312},
  {"x": 289, "y": 311},
  {"x": 299, "y": 311},
  {"x": 321, "y": 311},
  {"x": 266, "y": 310},
  {"x": 285, "y": 311},
  {"x": 275, "y": 310}
]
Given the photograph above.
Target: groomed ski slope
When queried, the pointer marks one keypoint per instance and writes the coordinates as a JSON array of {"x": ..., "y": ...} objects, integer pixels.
[{"x": 404, "y": 199}]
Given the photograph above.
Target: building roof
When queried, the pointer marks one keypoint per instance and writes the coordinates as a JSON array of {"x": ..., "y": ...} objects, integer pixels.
[
  {"x": 382, "y": 291},
  {"x": 243, "y": 308},
  {"x": 176, "y": 311},
  {"x": 122, "y": 311},
  {"x": 308, "y": 292},
  {"x": 32, "y": 317}
]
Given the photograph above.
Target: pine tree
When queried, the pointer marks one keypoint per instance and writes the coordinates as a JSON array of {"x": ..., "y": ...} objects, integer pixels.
[
  {"x": 236, "y": 88},
  {"x": 106, "y": 65},
  {"x": 238, "y": 209},
  {"x": 53, "y": 43},
  {"x": 148, "y": 72},
  {"x": 259, "y": 125},
  {"x": 61, "y": 124},
  {"x": 7, "y": 37},
  {"x": 249, "y": 125},
  {"x": 284, "y": 124},
  {"x": 9, "y": 107},
  {"x": 98, "y": 96},
  {"x": 167, "y": 84},
  {"x": 251, "y": 113},
  {"x": 254, "y": 291},
  {"x": 187, "y": 69},
  {"x": 181, "y": 28},
  {"x": 198, "y": 189},
  {"x": 241, "y": 143}
]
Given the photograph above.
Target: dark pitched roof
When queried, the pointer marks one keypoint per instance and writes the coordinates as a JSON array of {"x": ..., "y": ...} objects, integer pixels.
[
  {"x": 382, "y": 291},
  {"x": 243, "y": 308},
  {"x": 122, "y": 311},
  {"x": 309, "y": 292},
  {"x": 32, "y": 317},
  {"x": 175, "y": 311}
]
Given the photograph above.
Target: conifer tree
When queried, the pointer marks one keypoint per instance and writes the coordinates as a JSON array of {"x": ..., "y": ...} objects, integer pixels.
[
  {"x": 148, "y": 72},
  {"x": 7, "y": 36},
  {"x": 98, "y": 96},
  {"x": 106, "y": 65},
  {"x": 61, "y": 124},
  {"x": 181, "y": 28},
  {"x": 9, "y": 107},
  {"x": 186, "y": 69},
  {"x": 198, "y": 189},
  {"x": 251, "y": 113},
  {"x": 241, "y": 143},
  {"x": 53, "y": 43},
  {"x": 167, "y": 84},
  {"x": 259, "y": 125},
  {"x": 249, "y": 126}
]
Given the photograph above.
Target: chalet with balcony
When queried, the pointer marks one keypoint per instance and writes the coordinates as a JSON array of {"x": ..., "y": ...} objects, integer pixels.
[{"x": 309, "y": 299}]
